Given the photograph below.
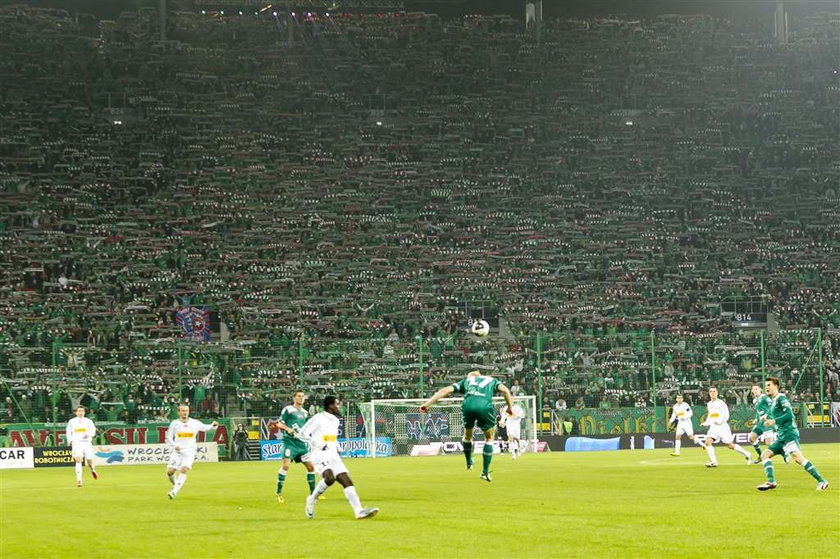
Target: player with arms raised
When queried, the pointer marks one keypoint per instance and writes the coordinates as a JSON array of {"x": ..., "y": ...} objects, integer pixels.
[
  {"x": 321, "y": 434},
  {"x": 291, "y": 420},
  {"x": 181, "y": 436},
  {"x": 80, "y": 433},
  {"x": 477, "y": 408},
  {"x": 511, "y": 420},
  {"x": 787, "y": 440},
  {"x": 681, "y": 413}
]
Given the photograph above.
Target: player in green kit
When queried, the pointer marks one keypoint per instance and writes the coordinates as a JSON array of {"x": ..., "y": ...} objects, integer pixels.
[
  {"x": 291, "y": 420},
  {"x": 781, "y": 415},
  {"x": 759, "y": 433},
  {"x": 478, "y": 409}
]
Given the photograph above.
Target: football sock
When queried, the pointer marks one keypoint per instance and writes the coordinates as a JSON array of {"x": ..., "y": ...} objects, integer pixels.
[
  {"x": 319, "y": 489},
  {"x": 487, "y": 454},
  {"x": 310, "y": 479},
  {"x": 710, "y": 450},
  {"x": 677, "y": 445},
  {"x": 79, "y": 472},
  {"x": 180, "y": 480},
  {"x": 281, "y": 479},
  {"x": 468, "y": 451},
  {"x": 171, "y": 478},
  {"x": 757, "y": 448},
  {"x": 811, "y": 469},
  {"x": 353, "y": 498},
  {"x": 768, "y": 471},
  {"x": 740, "y": 450}
]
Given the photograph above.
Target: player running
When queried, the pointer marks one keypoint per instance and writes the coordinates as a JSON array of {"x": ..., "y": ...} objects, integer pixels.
[
  {"x": 321, "y": 434},
  {"x": 787, "y": 440},
  {"x": 681, "y": 413},
  {"x": 512, "y": 422},
  {"x": 181, "y": 436},
  {"x": 759, "y": 433},
  {"x": 718, "y": 422},
  {"x": 477, "y": 409},
  {"x": 292, "y": 418},
  {"x": 80, "y": 432}
]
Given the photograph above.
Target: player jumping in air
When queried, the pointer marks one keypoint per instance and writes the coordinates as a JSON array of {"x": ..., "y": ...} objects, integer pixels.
[{"x": 477, "y": 408}]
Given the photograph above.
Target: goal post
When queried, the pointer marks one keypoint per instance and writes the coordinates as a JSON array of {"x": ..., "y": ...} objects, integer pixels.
[{"x": 405, "y": 425}]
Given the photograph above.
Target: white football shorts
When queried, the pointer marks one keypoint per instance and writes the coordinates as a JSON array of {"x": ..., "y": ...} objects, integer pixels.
[
  {"x": 82, "y": 449},
  {"x": 685, "y": 428},
  {"x": 328, "y": 461},
  {"x": 721, "y": 433},
  {"x": 183, "y": 458},
  {"x": 514, "y": 430}
]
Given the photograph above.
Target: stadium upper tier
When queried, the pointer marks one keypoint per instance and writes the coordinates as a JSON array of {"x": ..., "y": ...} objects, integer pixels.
[{"x": 361, "y": 176}]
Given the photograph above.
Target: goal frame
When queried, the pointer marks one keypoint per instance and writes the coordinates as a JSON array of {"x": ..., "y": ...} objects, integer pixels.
[{"x": 531, "y": 400}]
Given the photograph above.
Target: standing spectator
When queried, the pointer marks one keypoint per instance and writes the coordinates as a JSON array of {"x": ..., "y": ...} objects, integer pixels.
[{"x": 240, "y": 444}]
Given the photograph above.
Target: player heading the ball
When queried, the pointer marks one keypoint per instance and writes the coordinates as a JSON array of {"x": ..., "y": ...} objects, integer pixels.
[
  {"x": 181, "y": 436},
  {"x": 477, "y": 408}
]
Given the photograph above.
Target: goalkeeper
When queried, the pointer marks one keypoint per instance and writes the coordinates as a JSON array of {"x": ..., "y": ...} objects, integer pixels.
[{"x": 477, "y": 408}]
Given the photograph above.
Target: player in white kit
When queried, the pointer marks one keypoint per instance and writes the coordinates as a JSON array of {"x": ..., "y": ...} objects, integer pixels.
[
  {"x": 320, "y": 432},
  {"x": 80, "y": 433},
  {"x": 511, "y": 420},
  {"x": 681, "y": 413},
  {"x": 181, "y": 436},
  {"x": 717, "y": 420}
]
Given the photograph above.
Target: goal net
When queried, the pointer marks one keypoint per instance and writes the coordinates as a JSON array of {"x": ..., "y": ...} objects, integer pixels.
[{"x": 441, "y": 427}]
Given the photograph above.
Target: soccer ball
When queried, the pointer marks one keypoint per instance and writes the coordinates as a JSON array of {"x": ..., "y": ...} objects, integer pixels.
[{"x": 479, "y": 328}]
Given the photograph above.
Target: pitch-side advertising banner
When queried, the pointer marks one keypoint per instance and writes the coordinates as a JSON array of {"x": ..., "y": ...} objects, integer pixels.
[
  {"x": 134, "y": 454},
  {"x": 355, "y": 447},
  {"x": 16, "y": 458}
]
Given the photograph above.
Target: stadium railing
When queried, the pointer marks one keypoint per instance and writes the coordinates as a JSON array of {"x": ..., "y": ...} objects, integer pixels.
[{"x": 628, "y": 375}]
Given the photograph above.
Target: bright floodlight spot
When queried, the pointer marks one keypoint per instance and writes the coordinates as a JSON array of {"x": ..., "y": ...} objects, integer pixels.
[
  {"x": 628, "y": 122},
  {"x": 117, "y": 122},
  {"x": 274, "y": 14},
  {"x": 379, "y": 123}
]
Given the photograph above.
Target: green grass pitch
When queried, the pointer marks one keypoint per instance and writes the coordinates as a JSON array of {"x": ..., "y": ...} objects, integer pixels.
[{"x": 588, "y": 504}]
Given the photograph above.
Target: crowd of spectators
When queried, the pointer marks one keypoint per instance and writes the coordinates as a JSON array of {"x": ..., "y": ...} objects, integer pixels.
[{"x": 335, "y": 188}]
